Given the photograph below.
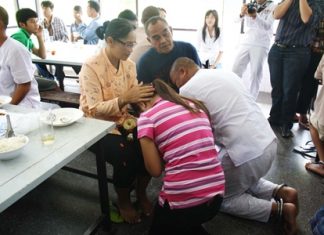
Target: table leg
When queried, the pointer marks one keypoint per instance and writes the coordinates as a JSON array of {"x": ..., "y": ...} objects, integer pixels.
[
  {"x": 103, "y": 222},
  {"x": 103, "y": 185}
]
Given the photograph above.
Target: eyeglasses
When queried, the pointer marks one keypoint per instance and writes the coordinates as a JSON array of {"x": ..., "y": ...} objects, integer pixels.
[{"x": 129, "y": 45}]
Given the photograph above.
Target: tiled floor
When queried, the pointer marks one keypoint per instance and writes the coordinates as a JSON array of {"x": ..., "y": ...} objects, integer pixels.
[{"x": 67, "y": 203}]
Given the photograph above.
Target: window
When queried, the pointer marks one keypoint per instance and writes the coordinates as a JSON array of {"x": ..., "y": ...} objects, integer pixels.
[
  {"x": 27, "y": 4},
  {"x": 110, "y": 9},
  {"x": 64, "y": 10},
  {"x": 11, "y": 9}
]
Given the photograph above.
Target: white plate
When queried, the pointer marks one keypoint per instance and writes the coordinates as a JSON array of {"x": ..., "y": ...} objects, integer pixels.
[
  {"x": 4, "y": 100},
  {"x": 62, "y": 117}
]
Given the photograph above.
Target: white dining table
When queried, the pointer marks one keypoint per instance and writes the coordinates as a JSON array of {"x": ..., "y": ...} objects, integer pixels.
[{"x": 38, "y": 162}]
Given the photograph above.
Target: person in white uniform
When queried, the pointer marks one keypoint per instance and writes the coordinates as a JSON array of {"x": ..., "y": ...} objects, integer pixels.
[
  {"x": 210, "y": 41},
  {"x": 248, "y": 144},
  {"x": 255, "y": 42},
  {"x": 16, "y": 69}
]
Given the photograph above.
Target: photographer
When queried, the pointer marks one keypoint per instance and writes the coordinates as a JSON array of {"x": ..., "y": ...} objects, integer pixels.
[{"x": 255, "y": 43}]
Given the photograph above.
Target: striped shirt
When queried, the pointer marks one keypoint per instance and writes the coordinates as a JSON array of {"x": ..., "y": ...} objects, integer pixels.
[
  {"x": 193, "y": 174},
  {"x": 292, "y": 30},
  {"x": 56, "y": 28}
]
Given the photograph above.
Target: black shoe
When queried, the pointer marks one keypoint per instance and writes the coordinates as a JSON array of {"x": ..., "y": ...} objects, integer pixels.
[{"x": 286, "y": 132}]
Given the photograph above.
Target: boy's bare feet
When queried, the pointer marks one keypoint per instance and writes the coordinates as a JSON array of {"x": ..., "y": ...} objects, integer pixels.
[{"x": 315, "y": 168}]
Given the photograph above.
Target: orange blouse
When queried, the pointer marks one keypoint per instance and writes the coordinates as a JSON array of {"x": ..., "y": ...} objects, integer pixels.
[{"x": 101, "y": 84}]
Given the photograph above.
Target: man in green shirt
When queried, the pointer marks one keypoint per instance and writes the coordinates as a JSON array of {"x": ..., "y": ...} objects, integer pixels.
[{"x": 27, "y": 21}]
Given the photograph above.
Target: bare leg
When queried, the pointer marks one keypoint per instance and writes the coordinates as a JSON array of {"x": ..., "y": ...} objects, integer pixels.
[
  {"x": 289, "y": 214},
  {"x": 289, "y": 197},
  {"x": 319, "y": 145},
  {"x": 126, "y": 209},
  {"x": 142, "y": 182}
]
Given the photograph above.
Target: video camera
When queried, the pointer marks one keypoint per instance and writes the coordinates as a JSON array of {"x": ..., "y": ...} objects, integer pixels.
[{"x": 252, "y": 7}]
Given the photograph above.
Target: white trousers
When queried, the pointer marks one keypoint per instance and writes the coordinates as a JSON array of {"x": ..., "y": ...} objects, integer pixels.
[
  {"x": 247, "y": 194},
  {"x": 254, "y": 55}
]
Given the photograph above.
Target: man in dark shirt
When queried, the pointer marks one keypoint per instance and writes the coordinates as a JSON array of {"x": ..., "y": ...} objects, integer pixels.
[
  {"x": 157, "y": 61},
  {"x": 289, "y": 58}
]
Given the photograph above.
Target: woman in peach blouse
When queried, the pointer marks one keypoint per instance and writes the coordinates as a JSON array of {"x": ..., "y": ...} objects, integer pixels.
[{"x": 108, "y": 85}]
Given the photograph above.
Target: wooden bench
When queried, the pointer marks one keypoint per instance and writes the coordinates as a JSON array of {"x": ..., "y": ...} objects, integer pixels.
[{"x": 62, "y": 98}]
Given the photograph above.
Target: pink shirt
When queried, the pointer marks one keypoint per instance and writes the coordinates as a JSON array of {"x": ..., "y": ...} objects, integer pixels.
[{"x": 193, "y": 174}]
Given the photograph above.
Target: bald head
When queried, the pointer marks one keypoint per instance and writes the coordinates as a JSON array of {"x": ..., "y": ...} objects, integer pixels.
[{"x": 182, "y": 70}]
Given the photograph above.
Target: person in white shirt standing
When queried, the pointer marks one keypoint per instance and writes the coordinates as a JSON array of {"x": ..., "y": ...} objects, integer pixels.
[
  {"x": 255, "y": 43},
  {"x": 16, "y": 69},
  {"x": 210, "y": 41}
]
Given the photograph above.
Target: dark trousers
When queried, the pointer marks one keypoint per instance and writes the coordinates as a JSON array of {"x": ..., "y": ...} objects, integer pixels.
[
  {"x": 43, "y": 71},
  {"x": 287, "y": 68},
  {"x": 309, "y": 85},
  {"x": 183, "y": 221},
  {"x": 126, "y": 158}
]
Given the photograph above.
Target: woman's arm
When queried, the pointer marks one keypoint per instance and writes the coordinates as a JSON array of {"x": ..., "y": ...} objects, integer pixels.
[
  {"x": 151, "y": 156},
  {"x": 305, "y": 11}
]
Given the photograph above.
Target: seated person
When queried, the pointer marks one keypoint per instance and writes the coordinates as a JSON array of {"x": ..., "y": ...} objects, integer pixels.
[
  {"x": 182, "y": 145},
  {"x": 88, "y": 33},
  {"x": 210, "y": 41},
  {"x": 55, "y": 29},
  {"x": 317, "y": 125},
  {"x": 143, "y": 45},
  {"x": 17, "y": 71},
  {"x": 157, "y": 61},
  {"x": 130, "y": 16},
  {"x": 27, "y": 22},
  {"x": 108, "y": 85},
  {"x": 55, "y": 26},
  {"x": 77, "y": 24}
]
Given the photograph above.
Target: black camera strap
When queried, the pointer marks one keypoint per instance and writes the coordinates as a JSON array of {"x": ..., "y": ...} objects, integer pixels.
[{"x": 263, "y": 6}]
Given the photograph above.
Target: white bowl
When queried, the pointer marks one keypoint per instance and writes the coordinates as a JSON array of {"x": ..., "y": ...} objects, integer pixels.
[{"x": 12, "y": 147}]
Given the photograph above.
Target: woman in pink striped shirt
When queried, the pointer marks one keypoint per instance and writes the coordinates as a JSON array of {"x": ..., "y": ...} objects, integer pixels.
[{"x": 176, "y": 136}]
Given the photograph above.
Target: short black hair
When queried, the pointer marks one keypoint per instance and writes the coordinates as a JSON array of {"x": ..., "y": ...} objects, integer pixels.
[
  {"x": 94, "y": 5},
  {"x": 25, "y": 14},
  {"x": 149, "y": 12},
  {"x": 4, "y": 16},
  {"x": 128, "y": 15},
  {"x": 77, "y": 8},
  {"x": 47, "y": 4},
  {"x": 117, "y": 29}
]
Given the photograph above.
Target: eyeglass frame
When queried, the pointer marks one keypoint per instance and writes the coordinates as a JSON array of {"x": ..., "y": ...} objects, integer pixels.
[{"x": 129, "y": 45}]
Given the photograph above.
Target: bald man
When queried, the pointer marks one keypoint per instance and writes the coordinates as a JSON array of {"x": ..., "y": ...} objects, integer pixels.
[{"x": 248, "y": 144}]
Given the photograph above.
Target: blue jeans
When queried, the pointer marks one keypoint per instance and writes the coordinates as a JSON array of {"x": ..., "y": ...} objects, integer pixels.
[{"x": 287, "y": 68}]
